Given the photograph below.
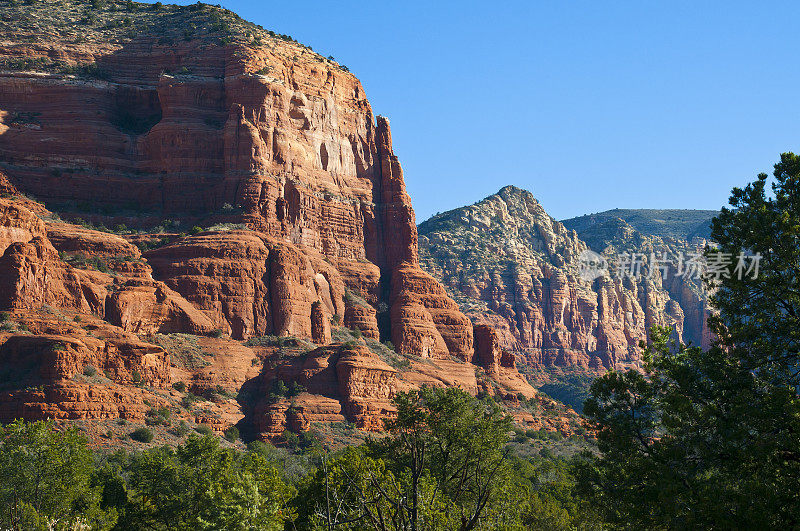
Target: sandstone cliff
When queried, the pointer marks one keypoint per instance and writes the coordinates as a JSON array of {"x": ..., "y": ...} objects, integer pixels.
[
  {"x": 282, "y": 137},
  {"x": 134, "y": 115},
  {"x": 670, "y": 233},
  {"x": 513, "y": 267}
]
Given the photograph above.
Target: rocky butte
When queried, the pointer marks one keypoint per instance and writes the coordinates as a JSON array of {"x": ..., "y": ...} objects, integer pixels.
[
  {"x": 287, "y": 249},
  {"x": 514, "y": 268}
]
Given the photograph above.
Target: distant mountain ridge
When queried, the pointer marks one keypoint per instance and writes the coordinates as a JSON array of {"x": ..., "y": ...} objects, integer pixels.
[
  {"x": 682, "y": 224},
  {"x": 511, "y": 265}
]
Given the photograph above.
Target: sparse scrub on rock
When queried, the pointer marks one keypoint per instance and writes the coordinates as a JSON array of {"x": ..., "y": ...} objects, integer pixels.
[{"x": 184, "y": 349}]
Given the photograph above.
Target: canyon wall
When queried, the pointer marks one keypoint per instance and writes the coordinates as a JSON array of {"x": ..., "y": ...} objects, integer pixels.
[
  {"x": 511, "y": 266},
  {"x": 269, "y": 156},
  {"x": 271, "y": 136}
]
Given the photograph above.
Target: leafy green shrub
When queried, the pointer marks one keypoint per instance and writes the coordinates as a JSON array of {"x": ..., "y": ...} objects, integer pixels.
[
  {"x": 308, "y": 439},
  {"x": 291, "y": 439},
  {"x": 180, "y": 430},
  {"x": 260, "y": 447},
  {"x": 89, "y": 370},
  {"x": 204, "y": 429},
  {"x": 154, "y": 417},
  {"x": 189, "y": 399},
  {"x": 280, "y": 388},
  {"x": 295, "y": 389},
  {"x": 179, "y": 386},
  {"x": 91, "y": 70},
  {"x": 142, "y": 434},
  {"x": 58, "y": 346},
  {"x": 232, "y": 434}
]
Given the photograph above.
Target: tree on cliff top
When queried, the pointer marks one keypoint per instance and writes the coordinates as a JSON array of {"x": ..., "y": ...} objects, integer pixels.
[{"x": 712, "y": 439}]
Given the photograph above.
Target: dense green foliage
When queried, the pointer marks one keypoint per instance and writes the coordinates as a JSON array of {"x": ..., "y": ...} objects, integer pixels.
[
  {"x": 46, "y": 479},
  {"x": 444, "y": 465},
  {"x": 52, "y": 480},
  {"x": 712, "y": 439},
  {"x": 444, "y": 468},
  {"x": 570, "y": 388},
  {"x": 200, "y": 486}
]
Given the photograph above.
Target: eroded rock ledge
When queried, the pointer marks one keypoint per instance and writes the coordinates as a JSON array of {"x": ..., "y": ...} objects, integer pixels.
[{"x": 265, "y": 136}]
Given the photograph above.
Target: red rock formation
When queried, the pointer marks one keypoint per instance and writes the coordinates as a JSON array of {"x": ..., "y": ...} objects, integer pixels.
[
  {"x": 249, "y": 284},
  {"x": 297, "y": 151},
  {"x": 48, "y": 358},
  {"x": 488, "y": 353},
  {"x": 320, "y": 325},
  {"x": 361, "y": 317},
  {"x": 342, "y": 383},
  {"x": 269, "y": 137},
  {"x": 17, "y": 224},
  {"x": 147, "y": 307},
  {"x": 33, "y": 275},
  {"x": 367, "y": 385},
  {"x": 44, "y": 367},
  {"x": 430, "y": 323},
  {"x": 498, "y": 363}
]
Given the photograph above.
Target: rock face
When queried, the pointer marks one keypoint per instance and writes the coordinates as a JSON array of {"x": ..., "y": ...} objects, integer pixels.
[
  {"x": 283, "y": 138},
  {"x": 303, "y": 219},
  {"x": 340, "y": 383},
  {"x": 42, "y": 369},
  {"x": 512, "y": 267},
  {"x": 32, "y": 275},
  {"x": 670, "y": 233}
]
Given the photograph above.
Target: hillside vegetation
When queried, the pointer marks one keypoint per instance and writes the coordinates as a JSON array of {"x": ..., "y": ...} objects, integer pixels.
[{"x": 671, "y": 223}]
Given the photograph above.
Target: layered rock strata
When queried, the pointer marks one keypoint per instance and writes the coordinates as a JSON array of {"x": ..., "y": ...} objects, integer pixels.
[
  {"x": 273, "y": 149},
  {"x": 273, "y": 136},
  {"x": 512, "y": 267}
]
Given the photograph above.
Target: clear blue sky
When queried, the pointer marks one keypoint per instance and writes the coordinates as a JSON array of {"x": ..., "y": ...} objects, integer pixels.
[{"x": 589, "y": 105}]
